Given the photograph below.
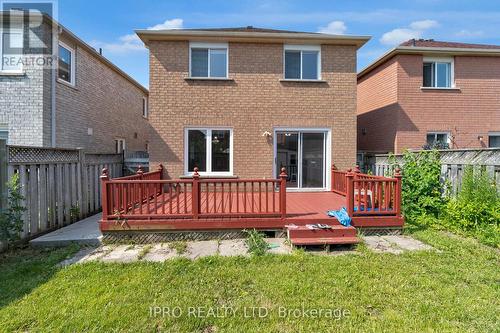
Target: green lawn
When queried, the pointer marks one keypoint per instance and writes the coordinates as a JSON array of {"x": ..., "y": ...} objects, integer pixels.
[{"x": 454, "y": 289}]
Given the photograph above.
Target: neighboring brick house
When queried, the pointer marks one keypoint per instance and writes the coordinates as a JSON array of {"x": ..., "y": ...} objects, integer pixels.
[
  {"x": 88, "y": 102},
  {"x": 430, "y": 93},
  {"x": 244, "y": 102}
]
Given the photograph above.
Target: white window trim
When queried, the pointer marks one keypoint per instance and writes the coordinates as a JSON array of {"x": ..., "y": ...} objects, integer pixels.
[
  {"x": 217, "y": 46},
  {"x": 10, "y": 71},
  {"x": 448, "y": 136},
  {"x": 145, "y": 107},
  {"x": 290, "y": 47},
  {"x": 73, "y": 67},
  {"x": 208, "y": 138},
  {"x": 446, "y": 60},
  {"x": 123, "y": 142}
]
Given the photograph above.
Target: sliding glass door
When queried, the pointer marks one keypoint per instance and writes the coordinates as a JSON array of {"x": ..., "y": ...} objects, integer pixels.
[{"x": 302, "y": 154}]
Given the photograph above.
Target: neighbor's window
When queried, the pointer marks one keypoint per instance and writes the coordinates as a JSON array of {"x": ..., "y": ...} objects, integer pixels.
[
  {"x": 302, "y": 62},
  {"x": 438, "y": 73},
  {"x": 145, "y": 107},
  {"x": 210, "y": 150},
  {"x": 119, "y": 146},
  {"x": 494, "y": 140},
  {"x": 11, "y": 41},
  {"x": 66, "y": 69},
  {"x": 208, "y": 60},
  {"x": 438, "y": 140}
]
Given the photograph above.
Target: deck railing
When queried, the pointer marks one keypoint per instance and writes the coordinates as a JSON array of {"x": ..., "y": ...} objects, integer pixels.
[
  {"x": 368, "y": 195},
  {"x": 148, "y": 196}
]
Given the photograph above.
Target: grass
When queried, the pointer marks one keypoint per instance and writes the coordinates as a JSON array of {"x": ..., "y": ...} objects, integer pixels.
[
  {"x": 179, "y": 246},
  {"x": 453, "y": 289}
]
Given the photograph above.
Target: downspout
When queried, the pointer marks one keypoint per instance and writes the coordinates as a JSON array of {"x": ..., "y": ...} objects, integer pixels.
[{"x": 55, "y": 43}]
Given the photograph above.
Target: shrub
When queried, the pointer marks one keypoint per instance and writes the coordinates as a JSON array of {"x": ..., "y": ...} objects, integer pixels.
[
  {"x": 422, "y": 191},
  {"x": 256, "y": 243},
  {"x": 11, "y": 221},
  {"x": 476, "y": 209}
]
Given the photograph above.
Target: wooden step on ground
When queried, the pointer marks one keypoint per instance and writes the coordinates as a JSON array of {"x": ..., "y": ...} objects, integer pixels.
[{"x": 337, "y": 234}]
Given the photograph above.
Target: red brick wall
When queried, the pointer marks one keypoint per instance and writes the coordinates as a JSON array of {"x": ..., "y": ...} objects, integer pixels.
[
  {"x": 254, "y": 102},
  {"x": 468, "y": 112},
  {"x": 377, "y": 108}
]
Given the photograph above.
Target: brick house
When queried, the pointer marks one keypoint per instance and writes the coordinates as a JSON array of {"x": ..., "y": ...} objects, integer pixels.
[
  {"x": 88, "y": 102},
  {"x": 244, "y": 102},
  {"x": 430, "y": 93}
]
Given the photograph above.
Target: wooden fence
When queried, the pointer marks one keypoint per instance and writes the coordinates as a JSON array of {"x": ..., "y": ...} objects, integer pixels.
[
  {"x": 453, "y": 164},
  {"x": 60, "y": 186}
]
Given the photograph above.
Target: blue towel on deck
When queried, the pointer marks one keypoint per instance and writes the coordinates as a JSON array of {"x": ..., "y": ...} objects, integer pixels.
[{"x": 341, "y": 216}]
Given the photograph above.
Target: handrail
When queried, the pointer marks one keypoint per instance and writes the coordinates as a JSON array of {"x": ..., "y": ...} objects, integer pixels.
[
  {"x": 368, "y": 195},
  {"x": 150, "y": 197}
]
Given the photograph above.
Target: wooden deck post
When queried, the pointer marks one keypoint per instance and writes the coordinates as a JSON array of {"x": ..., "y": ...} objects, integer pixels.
[
  {"x": 104, "y": 193},
  {"x": 349, "y": 179},
  {"x": 196, "y": 193},
  {"x": 161, "y": 168},
  {"x": 332, "y": 175},
  {"x": 397, "y": 195},
  {"x": 283, "y": 177},
  {"x": 140, "y": 172}
]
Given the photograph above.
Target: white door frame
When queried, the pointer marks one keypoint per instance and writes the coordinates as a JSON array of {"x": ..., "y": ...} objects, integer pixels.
[{"x": 328, "y": 155}]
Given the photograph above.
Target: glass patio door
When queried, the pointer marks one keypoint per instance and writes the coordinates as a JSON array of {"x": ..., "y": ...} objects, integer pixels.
[{"x": 302, "y": 154}]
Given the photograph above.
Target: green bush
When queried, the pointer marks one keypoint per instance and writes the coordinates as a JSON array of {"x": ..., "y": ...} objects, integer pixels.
[
  {"x": 11, "y": 221},
  {"x": 476, "y": 209},
  {"x": 422, "y": 191},
  {"x": 256, "y": 243}
]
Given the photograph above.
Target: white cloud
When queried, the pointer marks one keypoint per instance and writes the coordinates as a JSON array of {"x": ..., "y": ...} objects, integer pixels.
[
  {"x": 469, "y": 34},
  {"x": 415, "y": 30},
  {"x": 334, "y": 28},
  {"x": 131, "y": 42},
  {"x": 424, "y": 24}
]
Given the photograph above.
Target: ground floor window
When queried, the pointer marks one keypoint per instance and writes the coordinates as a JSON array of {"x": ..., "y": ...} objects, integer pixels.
[
  {"x": 119, "y": 145},
  {"x": 494, "y": 140},
  {"x": 209, "y": 149},
  {"x": 438, "y": 140}
]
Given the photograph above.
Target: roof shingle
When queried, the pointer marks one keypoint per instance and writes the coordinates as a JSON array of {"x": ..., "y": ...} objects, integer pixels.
[{"x": 439, "y": 44}]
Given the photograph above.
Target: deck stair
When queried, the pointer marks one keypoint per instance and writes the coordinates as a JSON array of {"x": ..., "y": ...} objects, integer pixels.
[{"x": 308, "y": 235}]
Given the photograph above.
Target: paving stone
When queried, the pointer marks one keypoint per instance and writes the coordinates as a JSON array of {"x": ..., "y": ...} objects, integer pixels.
[
  {"x": 282, "y": 246},
  {"x": 233, "y": 247},
  {"x": 407, "y": 243},
  {"x": 122, "y": 253},
  {"x": 79, "y": 257},
  {"x": 159, "y": 253},
  {"x": 379, "y": 244},
  {"x": 97, "y": 253},
  {"x": 201, "y": 249}
]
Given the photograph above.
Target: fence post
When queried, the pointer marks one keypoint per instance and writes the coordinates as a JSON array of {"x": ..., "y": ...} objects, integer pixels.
[
  {"x": 104, "y": 193},
  {"x": 3, "y": 174},
  {"x": 349, "y": 178},
  {"x": 283, "y": 177},
  {"x": 397, "y": 197},
  {"x": 196, "y": 193}
]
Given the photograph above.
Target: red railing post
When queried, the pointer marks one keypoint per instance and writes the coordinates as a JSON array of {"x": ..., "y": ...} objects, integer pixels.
[
  {"x": 283, "y": 177},
  {"x": 140, "y": 172},
  {"x": 196, "y": 193},
  {"x": 349, "y": 178},
  {"x": 333, "y": 177},
  {"x": 104, "y": 193},
  {"x": 160, "y": 186},
  {"x": 397, "y": 195}
]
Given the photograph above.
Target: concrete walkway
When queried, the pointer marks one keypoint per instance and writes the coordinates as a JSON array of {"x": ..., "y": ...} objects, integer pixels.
[{"x": 84, "y": 232}]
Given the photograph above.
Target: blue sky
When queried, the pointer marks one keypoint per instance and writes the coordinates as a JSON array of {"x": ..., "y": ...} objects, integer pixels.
[{"x": 110, "y": 24}]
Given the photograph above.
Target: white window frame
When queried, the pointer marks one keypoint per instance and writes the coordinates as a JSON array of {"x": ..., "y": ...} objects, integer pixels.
[
  {"x": 10, "y": 71},
  {"x": 442, "y": 60},
  {"x": 145, "y": 107},
  {"x": 122, "y": 141},
  {"x": 208, "y": 138},
  {"x": 290, "y": 47},
  {"x": 448, "y": 136},
  {"x": 73, "y": 67},
  {"x": 490, "y": 134},
  {"x": 214, "y": 46}
]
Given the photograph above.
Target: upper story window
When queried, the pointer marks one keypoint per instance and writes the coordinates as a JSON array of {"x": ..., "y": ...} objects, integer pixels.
[
  {"x": 208, "y": 60},
  {"x": 145, "y": 110},
  {"x": 438, "y": 73},
  {"x": 11, "y": 42},
  {"x": 66, "y": 65},
  {"x": 302, "y": 62},
  {"x": 494, "y": 140}
]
